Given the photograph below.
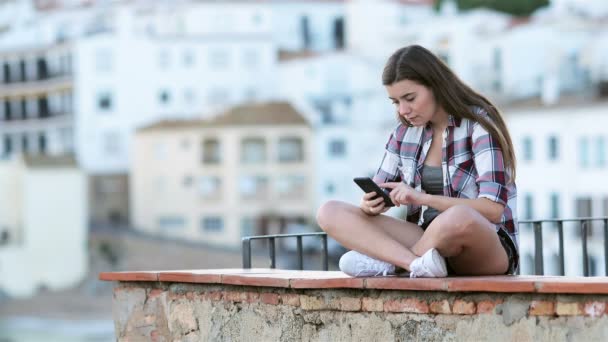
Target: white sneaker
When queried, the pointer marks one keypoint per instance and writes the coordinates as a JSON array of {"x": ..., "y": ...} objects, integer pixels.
[
  {"x": 430, "y": 265},
  {"x": 356, "y": 264}
]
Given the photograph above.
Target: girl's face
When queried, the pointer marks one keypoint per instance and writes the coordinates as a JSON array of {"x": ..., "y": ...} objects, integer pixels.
[{"x": 415, "y": 102}]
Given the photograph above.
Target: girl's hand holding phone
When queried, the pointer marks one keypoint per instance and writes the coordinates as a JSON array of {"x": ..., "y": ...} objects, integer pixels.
[{"x": 371, "y": 205}]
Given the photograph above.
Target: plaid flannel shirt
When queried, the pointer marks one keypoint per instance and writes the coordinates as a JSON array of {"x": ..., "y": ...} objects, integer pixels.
[{"x": 472, "y": 165}]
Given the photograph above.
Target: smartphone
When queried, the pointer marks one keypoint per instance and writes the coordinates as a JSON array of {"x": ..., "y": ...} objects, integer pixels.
[{"x": 368, "y": 185}]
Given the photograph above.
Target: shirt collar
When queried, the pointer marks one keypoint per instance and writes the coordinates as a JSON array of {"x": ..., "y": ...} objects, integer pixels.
[{"x": 454, "y": 121}]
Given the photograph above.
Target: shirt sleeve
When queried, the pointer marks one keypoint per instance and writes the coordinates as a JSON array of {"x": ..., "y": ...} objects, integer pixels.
[
  {"x": 490, "y": 166},
  {"x": 389, "y": 167}
]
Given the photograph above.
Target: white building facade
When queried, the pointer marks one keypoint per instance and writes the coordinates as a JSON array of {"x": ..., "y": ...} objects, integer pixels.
[
  {"x": 43, "y": 225},
  {"x": 562, "y": 162}
]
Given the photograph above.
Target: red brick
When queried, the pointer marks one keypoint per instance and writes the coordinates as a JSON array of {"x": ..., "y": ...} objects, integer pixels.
[
  {"x": 542, "y": 308},
  {"x": 155, "y": 293},
  {"x": 488, "y": 306},
  {"x": 250, "y": 297},
  {"x": 440, "y": 307},
  {"x": 214, "y": 296},
  {"x": 406, "y": 305},
  {"x": 462, "y": 307},
  {"x": 154, "y": 336},
  {"x": 595, "y": 309},
  {"x": 569, "y": 309},
  {"x": 372, "y": 304},
  {"x": 350, "y": 304},
  {"x": 232, "y": 296},
  {"x": 269, "y": 298},
  {"x": 290, "y": 299}
]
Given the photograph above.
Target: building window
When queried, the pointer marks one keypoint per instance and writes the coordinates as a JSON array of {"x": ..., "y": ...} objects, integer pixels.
[
  {"x": 337, "y": 148},
  {"x": 291, "y": 149},
  {"x": 24, "y": 143},
  {"x": 8, "y": 145},
  {"x": 211, "y": 151},
  {"x": 253, "y": 150},
  {"x": 187, "y": 181},
  {"x": 209, "y": 187},
  {"x": 330, "y": 188},
  {"x": 601, "y": 151},
  {"x": 528, "y": 206},
  {"x": 253, "y": 187},
  {"x": 171, "y": 222},
  {"x": 250, "y": 58},
  {"x": 527, "y": 146},
  {"x": 583, "y": 155},
  {"x": 104, "y": 101},
  {"x": 584, "y": 208},
  {"x": 42, "y": 143},
  {"x": 554, "y": 205},
  {"x": 212, "y": 224},
  {"x": 219, "y": 58},
  {"x": 553, "y": 148},
  {"x": 292, "y": 187},
  {"x": 164, "y": 97},
  {"x": 188, "y": 58}
]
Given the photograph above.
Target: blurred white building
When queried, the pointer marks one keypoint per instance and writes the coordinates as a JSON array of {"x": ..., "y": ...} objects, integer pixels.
[
  {"x": 43, "y": 225},
  {"x": 562, "y": 154},
  {"x": 309, "y": 25},
  {"x": 83, "y": 79}
]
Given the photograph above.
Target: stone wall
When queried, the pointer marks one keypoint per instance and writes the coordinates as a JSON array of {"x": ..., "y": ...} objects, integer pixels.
[{"x": 156, "y": 311}]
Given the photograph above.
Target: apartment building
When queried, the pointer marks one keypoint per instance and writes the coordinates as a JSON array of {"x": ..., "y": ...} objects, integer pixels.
[
  {"x": 36, "y": 101},
  {"x": 247, "y": 171},
  {"x": 43, "y": 224},
  {"x": 562, "y": 163}
]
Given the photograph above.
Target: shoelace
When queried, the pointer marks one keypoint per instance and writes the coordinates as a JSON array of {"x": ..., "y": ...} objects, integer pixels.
[
  {"x": 415, "y": 271},
  {"x": 372, "y": 265}
]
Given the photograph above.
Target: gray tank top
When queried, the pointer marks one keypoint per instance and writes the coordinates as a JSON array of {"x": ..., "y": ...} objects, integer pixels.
[{"x": 432, "y": 183}]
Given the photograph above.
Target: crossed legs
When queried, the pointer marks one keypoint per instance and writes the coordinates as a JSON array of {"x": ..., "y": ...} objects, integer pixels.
[{"x": 465, "y": 238}]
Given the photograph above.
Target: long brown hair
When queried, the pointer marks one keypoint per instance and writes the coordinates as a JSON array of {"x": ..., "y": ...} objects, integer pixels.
[{"x": 415, "y": 63}]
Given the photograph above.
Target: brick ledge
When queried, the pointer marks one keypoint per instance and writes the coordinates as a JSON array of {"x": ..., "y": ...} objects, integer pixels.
[{"x": 334, "y": 279}]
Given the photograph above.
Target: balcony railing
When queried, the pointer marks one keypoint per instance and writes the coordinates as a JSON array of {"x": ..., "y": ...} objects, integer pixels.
[{"x": 583, "y": 223}]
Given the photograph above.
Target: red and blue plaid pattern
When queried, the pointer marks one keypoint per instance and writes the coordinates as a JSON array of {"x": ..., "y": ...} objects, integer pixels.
[{"x": 472, "y": 164}]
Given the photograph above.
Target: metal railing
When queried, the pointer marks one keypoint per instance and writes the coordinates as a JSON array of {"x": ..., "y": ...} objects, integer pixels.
[
  {"x": 585, "y": 224},
  {"x": 272, "y": 248}
]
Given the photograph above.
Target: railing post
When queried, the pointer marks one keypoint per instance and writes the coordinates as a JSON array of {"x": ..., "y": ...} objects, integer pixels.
[
  {"x": 300, "y": 253},
  {"x": 560, "y": 232},
  {"x": 324, "y": 253},
  {"x": 585, "y": 252},
  {"x": 538, "y": 249},
  {"x": 246, "y": 252},
  {"x": 271, "y": 251}
]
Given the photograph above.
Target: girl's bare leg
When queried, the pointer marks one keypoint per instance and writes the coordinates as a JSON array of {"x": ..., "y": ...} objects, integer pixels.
[
  {"x": 381, "y": 237},
  {"x": 468, "y": 241}
]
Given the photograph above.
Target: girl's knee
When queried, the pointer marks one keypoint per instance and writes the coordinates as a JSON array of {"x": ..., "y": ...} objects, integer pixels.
[
  {"x": 459, "y": 221},
  {"x": 327, "y": 213}
]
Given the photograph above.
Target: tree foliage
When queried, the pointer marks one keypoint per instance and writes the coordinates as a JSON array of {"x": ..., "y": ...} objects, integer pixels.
[{"x": 513, "y": 7}]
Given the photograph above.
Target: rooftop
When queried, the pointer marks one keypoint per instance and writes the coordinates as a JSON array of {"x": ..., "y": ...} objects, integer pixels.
[{"x": 266, "y": 113}]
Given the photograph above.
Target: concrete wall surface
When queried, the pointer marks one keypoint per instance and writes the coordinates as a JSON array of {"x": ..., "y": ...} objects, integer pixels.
[{"x": 184, "y": 312}]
